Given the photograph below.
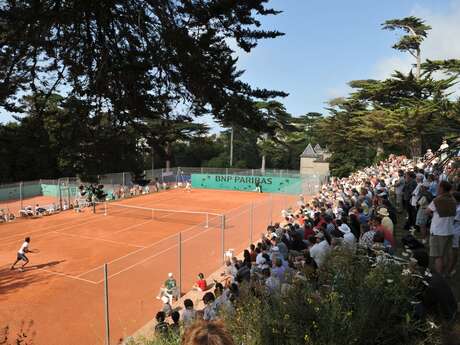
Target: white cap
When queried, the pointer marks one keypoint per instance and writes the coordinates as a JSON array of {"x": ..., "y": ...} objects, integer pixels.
[{"x": 170, "y": 274}]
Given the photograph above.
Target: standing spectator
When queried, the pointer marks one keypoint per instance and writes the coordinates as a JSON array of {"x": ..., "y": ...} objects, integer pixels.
[
  {"x": 399, "y": 190},
  {"x": 456, "y": 238},
  {"x": 422, "y": 217},
  {"x": 409, "y": 188},
  {"x": 386, "y": 220},
  {"x": 443, "y": 208}
]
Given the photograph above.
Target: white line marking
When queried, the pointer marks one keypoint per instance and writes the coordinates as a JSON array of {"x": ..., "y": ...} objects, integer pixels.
[
  {"x": 66, "y": 275},
  {"x": 98, "y": 239}
]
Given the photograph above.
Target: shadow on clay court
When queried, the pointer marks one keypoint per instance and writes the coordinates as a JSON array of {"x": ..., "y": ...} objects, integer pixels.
[{"x": 11, "y": 280}]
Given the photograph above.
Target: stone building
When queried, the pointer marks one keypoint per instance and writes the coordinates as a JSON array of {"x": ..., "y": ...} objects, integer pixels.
[{"x": 314, "y": 160}]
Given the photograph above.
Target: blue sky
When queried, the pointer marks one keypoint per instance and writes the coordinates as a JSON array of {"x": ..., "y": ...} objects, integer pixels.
[{"x": 331, "y": 42}]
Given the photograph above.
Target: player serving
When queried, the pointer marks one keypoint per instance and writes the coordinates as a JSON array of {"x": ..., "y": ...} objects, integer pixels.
[{"x": 22, "y": 254}]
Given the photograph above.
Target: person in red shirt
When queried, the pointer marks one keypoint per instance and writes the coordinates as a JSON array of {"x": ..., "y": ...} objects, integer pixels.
[
  {"x": 387, "y": 233},
  {"x": 201, "y": 284}
]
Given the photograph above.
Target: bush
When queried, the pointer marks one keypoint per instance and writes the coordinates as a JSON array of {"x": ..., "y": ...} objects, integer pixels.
[{"x": 351, "y": 301}]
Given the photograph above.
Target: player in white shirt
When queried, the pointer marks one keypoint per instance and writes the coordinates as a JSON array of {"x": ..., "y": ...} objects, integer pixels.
[
  {"x": 188, "y": 186},
  {"x": 22, "y": 254}
]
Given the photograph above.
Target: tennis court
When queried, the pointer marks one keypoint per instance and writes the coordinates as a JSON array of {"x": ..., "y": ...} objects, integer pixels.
[{"x": 62, "y": 291}]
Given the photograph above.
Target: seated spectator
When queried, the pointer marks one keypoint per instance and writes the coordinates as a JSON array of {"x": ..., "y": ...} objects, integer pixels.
[
  {"x": 210, "y": 312},
  {"x": 319, "y": 249},
  {"x": 169, "y": 289},
  {"x": 272, "y": 283},
  {"x": 174, "y": 328},
  {"x": 207, "y": 333},
  {"x": 253, "y": 253},
  {"x": 161, "y": 328},
  {"x": 167, "y": 308},
  {"x": 189, "y": 313},
  {"x": 367, "y": 236},
  {"x": 201, "y": 284},
  {"x": 278, "y": 270}
]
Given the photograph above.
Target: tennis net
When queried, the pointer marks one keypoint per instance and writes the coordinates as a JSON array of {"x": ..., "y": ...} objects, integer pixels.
[{"x": 206, "y": 219}]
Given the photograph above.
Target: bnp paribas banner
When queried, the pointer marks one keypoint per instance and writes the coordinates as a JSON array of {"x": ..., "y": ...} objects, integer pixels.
[{"x": 268, "y": 184}]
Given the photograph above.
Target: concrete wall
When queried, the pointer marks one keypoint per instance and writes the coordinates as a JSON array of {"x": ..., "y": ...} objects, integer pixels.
[{"x": 311, "y": 166}]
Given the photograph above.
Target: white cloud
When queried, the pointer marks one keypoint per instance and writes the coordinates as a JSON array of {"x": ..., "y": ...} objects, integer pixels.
[{"x": 442, "y": 41}]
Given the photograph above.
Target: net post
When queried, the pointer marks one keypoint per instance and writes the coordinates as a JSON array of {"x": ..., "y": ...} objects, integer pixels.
[
  {"x": 179, "y": 245},
  {"x": 106, "y": 305},
  {"x": 222, "y": 227}
]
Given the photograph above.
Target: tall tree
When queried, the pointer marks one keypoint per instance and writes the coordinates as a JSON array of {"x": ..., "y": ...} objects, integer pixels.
[
  {"x": 134, "y": 59},
  {"x": 416, "y": 31}
]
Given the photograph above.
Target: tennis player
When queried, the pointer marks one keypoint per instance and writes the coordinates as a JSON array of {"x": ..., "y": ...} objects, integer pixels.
[
  {"x": 188, "y": 186},
  {"x": 22, "y": 254}
]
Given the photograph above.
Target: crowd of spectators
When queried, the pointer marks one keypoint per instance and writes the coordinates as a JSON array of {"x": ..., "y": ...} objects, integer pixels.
[{"x": 359, "y": 211}]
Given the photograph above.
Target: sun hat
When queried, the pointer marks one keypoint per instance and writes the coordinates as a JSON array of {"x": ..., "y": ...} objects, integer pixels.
[{"x": 383, "y": 212}]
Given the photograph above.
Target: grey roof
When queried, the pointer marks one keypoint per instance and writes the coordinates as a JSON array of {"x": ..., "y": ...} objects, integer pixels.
[
  {"x": 318, "y": 149},
  {"x": 309, "y": 152}
]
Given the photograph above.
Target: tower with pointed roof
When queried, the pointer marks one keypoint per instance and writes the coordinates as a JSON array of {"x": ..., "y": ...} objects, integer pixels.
[{"x": 314, "y": 160}]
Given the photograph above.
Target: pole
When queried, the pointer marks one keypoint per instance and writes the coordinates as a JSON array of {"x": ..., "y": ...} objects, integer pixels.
[
  {"x": 271, "y": 209},
  {"x": 231, "y": 147},
  {"x": 251, "y": 222},
  {"x": 153, "y": 162},
  {"x": 20, "y": 194},
  {"x": 106, "y": 304},
  {"x": 180, "y": 262},
  {"x": 223, "y": 238}
]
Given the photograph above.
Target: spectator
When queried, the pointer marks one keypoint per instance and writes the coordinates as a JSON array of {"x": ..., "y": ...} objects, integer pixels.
[
  {"x": 272, "y": 283},
  {"x": 422, "y": 217},
  {"x": 386, "y": 220},
  {"x": 161, "y": 328},
  {"x": 253, "y": 253},
  {"x": 189, "y": 313},
  {"x": 210, "y": 312},
  {"x": 319, "y": 249},
  {"x": 207, "y": 333},
  {"x": 456, "y": 237},
  {"x": 169, "y": 288},
  {"x": 443, "y": 208},
  {"x": 167, "y": 308},
  {"x": 437, "y": 298},
  {"x": 174, "y": 328},
  {"x": 201, "y": 284},
  {"x": 409, "y": 187},
  {"x": 399, "y": 190}
]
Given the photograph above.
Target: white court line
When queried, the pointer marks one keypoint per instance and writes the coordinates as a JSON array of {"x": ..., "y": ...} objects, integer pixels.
[
  {"x": 66, "y": 275},
  {"x": 58, "y": 228},
  {"x": 129, "y": 227},
  {"x": 98, "y": 239},
  {"x": 151, "y": 245},
  {"x": 159, "y": 253}
]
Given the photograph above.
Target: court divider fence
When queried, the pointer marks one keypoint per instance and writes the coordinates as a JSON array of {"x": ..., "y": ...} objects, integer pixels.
[{"x": 135, "y": 280}]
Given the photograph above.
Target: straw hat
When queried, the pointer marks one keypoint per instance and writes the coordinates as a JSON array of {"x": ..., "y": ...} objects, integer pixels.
[{"x": 383, "y": 212}]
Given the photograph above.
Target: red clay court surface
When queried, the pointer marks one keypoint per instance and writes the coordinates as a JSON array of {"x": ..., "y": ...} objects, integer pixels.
[{"x": 62, "y": 291}]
